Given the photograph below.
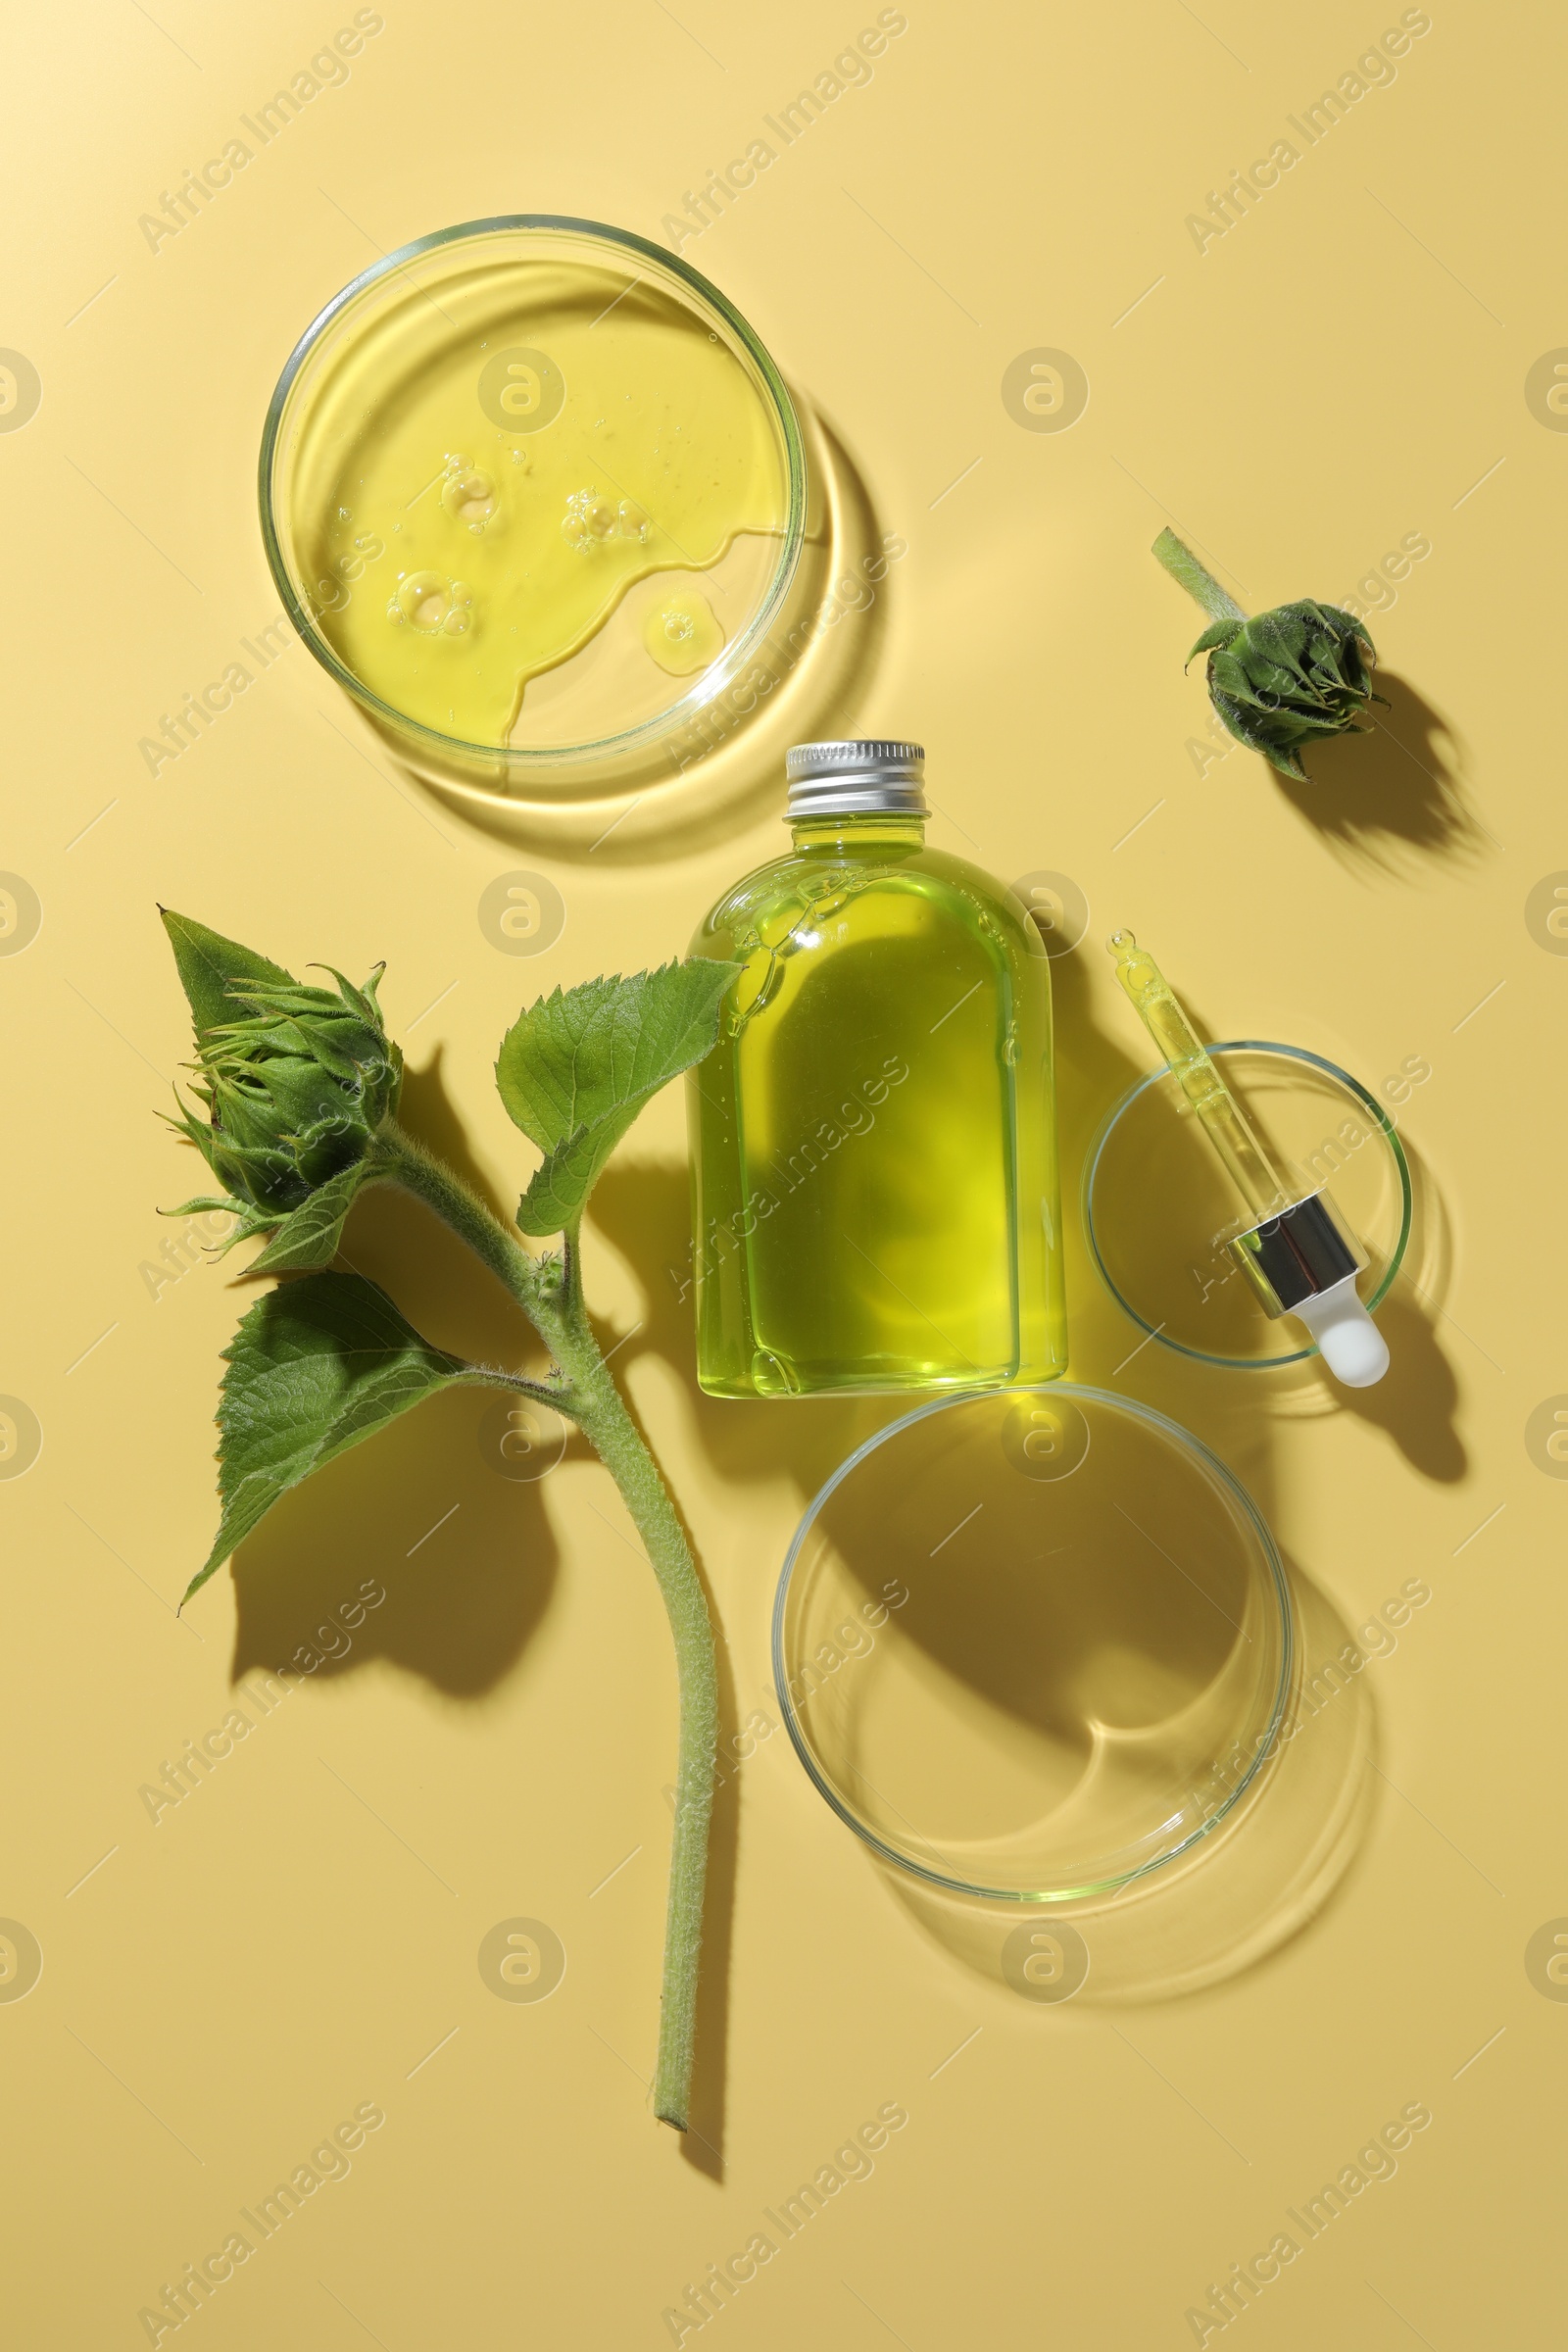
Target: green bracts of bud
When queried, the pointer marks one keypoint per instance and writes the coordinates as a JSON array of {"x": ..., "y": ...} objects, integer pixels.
[
  {"x": 295, "y": 1080},
  {"x": 1283, "y": 678}
]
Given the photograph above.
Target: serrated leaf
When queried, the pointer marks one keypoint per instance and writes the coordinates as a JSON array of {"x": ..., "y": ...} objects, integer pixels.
[
  {"x": 577, "y": 1068},
  {"x": 556, "y": 1194},
  {"x": 207, "y": 964},
  {"x": 316, "y": 1367},
  {"x": 308, "y": 1237}
]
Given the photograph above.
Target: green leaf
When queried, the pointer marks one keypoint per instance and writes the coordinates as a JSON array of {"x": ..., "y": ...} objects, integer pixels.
[
  {"x": 558, "y": 1191},
  {"x": 577, "y": 1068},
  {"x": 316, "y": 1367},
  {"x": 1218, "y": 632},
  {"x": 208, "y": 963},
  {"x": 309, "y": 1238},
  {"x": 247, "y": 1220}
]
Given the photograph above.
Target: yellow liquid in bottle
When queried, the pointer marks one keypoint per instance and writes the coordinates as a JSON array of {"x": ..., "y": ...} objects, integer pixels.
[
  {"x": 873, "y": 1142},
  {"x": 510, "y": 517}
]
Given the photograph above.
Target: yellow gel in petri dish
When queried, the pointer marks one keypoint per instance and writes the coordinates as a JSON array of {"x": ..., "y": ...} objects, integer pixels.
[
  {"x": 682, "y": 632},
  {"x": 534, "y": 487}
]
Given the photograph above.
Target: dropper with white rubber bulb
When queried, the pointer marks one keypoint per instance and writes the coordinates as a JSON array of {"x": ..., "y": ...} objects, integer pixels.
[{"x": 1297, "y": 1254}]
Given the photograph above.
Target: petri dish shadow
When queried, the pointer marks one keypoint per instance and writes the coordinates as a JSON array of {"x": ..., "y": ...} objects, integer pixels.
[
  {"x": 1260, "y": 1879},
  {"x": 1102, "y": 1741},
  {"x": 1034, "y": 1643}
]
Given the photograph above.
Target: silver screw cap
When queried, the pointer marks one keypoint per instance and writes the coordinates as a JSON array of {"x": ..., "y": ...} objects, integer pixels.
[{"x": 858, "y": 777}]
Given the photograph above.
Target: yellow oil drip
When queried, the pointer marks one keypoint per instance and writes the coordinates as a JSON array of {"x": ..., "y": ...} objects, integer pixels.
[{"x": 682, "y": 632}]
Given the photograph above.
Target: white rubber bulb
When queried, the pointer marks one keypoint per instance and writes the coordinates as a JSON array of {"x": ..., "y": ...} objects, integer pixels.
[{"x": 1348, "y": 1340}]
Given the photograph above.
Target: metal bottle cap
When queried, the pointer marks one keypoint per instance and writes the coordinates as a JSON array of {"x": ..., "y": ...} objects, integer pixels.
[
  {"x": 1302, "y": 1252},
  {"x": 855, "y": 778}
]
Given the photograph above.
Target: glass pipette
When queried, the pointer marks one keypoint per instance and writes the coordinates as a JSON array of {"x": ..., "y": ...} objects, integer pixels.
[{"x": 1297, "y": 1254}]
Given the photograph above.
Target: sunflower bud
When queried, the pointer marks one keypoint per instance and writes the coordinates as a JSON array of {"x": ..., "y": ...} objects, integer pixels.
[
  {"x": 1285, "y": 677},
  {"x": 295, "y": 1080}
]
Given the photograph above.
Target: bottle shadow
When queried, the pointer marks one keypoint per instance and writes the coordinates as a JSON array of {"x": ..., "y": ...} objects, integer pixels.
[
  {"x": 719, "y": 775},
  {"x": 1395, "y": 794}
]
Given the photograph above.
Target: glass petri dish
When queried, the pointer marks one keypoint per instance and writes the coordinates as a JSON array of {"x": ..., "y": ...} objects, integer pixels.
[
  {"x": 531, "y": 491},
  {"x": 1033, "y": 1644},
  {"x": 1158, "y": 1208}
]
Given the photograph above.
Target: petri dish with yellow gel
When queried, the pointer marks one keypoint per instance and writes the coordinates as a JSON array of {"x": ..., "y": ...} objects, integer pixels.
[{"x": 532, "y": 491}]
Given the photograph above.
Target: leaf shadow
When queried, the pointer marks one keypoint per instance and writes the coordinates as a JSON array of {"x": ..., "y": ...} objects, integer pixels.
[
  {"x": 426, "y": 1509},
  {"x": 465, "y": 1560},
  {"x": 426, "y": 1109},
  {"x": 420, "y": 1547}
]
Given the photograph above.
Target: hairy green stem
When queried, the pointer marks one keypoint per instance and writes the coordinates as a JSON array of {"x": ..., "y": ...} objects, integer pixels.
[
  {"x": 550, "y": 1296},
  {"x": 397, "y": 1159},
  {"x": 1182, "y": 566}
]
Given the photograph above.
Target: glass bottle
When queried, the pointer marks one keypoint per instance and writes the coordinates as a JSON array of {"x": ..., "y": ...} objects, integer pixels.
[{"x": 873, "y": 1136}]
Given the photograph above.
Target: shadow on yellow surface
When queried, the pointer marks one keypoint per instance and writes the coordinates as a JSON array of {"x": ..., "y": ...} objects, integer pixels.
[
  {"x": 1255, "y": 1882},
  {"x": 465, "y": 1591},
  {"x": 1395, "y": 793},
  {"x": 1417, "y": 1399},
  {"x": 461, "y": 1609},
  {"x": 644, "y": 1209},
  {"x": 465, "y": 1559}
]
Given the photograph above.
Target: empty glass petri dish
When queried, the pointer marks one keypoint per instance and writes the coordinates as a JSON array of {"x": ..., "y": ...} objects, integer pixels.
[
  {"x": 1158, "y": 1208},
  {"x": 532, "y": 491},
  {"x": 1033, "y": 1644}
]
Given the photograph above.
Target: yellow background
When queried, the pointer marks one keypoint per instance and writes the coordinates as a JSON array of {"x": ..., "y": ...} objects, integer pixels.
[{"x": 1339, "y": 369}]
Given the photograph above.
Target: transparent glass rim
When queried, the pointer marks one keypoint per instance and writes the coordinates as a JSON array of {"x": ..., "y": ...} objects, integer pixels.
[
  {"x": 1331, "y": 1069},
  {"x": 526, "y": 761},
  {"x": 1230, "y": 1485}
]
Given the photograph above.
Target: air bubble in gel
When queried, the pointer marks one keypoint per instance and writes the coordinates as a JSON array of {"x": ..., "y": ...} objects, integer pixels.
[
  {"x": 431, "y": 603},
  {"x": 682, "y": 633},
  {"x": 468, "y": 494}
]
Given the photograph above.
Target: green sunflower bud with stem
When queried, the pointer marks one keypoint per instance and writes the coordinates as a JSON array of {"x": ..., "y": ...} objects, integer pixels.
[
  {"x": 300, "y": 1086},
  {"x": 293, "y": 1083},
  {"x": 1284, "y": 678}
]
